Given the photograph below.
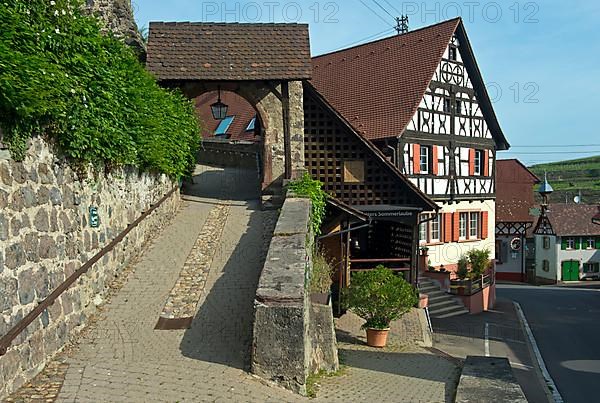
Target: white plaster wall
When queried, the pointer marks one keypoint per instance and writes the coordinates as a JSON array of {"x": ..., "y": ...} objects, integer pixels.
[
  {"x": 514, "y": 260},
  {"x": 582, "y": 255},
  {"x": 449, "y": 253},
  {"x": 542, "y": 254}
]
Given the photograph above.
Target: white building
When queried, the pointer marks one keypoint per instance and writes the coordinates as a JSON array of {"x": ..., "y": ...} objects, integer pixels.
[{"x": 574, "y": 253}]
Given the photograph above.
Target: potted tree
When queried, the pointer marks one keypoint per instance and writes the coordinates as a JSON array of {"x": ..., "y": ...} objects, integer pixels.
[
  {"x": 462, "y": 272},
  {"x": 480, "y": 261},
  {"x": 379, "y": 296}
]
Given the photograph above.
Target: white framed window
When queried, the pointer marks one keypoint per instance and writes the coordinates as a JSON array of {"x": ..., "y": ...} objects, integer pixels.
[
  {"x": 473, "y": 225},
  {"x": 458, "y": 107},
  {"x": 425, "y": 158},
  {"x": 570, "y": 243},
  {"x": 478, "y": 163},
  {"x": 423, "y": 231},
  {"x": 436, "y": 228},
  {"x": 463, "y": 219},
  {"x": 591, "y": 243}
]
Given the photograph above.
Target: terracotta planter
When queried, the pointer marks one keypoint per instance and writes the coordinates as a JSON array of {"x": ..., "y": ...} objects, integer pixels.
[{"x": 377, "y": 337}]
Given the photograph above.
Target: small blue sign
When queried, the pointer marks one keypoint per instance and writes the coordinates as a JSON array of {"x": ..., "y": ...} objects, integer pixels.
[{"x": 94, "y": 218}]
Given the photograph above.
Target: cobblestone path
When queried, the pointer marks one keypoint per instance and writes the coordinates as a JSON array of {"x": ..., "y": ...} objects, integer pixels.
[{"x": 122, "y": 358}]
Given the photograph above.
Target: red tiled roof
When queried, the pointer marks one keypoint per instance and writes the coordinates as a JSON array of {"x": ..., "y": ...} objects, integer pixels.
[
  {"x": 573, "y": 219},
  {"x": 514, "y": 191},
  {"x": 378, "y": 86},
  {"x": 228, "y": 51},
  {"x": 376, "y": 152},
  {"x": 238, "y": 107},
  {"x": 596, "y": 218}
]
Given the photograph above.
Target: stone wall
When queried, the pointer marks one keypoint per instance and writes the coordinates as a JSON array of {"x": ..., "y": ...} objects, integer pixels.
[
  {"x": 228, "y": 154},
  {"x": 45, "y": 236},
  {"x": 117, "y": 17},
  {"x": 292, "y": 338}
]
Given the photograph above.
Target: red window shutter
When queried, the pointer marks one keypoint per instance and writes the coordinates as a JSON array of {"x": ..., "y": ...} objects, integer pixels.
[
  {"x": 434, "y": 160},
  {"x": 486, "y": 163},
  {"x": 447, "y": 227},
  {"x": 484, "y": 225},
  {"x": 456, "y": 227},
  {"x": 471, "y": 162},
  {"x": 416, "y": 158}
]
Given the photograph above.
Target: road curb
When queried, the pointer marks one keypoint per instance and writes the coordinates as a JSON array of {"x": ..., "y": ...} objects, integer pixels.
[{"x": 551, "y": 389}]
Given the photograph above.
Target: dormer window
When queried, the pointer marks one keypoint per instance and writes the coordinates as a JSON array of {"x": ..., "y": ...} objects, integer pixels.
[
  {"x": 224, "y": 126},
  {"x": 252, "y": 125}
]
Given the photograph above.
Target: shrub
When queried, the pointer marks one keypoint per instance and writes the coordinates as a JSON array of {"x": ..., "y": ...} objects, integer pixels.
[
  {"x": 479, "y": 260},
  {"x": 320, "y": 281},
  {"x": 463, "y": 267},
  {"x": 379, "y": 296},
  {"x": 87, "y": 91},
  {"x": 308, "y": 187}
]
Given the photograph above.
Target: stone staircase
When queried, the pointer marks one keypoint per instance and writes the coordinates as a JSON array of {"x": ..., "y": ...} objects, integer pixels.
[{"x": 441, "y": 304}]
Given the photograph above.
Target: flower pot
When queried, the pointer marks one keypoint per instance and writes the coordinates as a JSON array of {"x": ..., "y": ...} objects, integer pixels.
[{"x": 377, "y": 337}]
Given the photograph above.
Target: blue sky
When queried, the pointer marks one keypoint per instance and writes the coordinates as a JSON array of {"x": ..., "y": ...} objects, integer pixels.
[{"x": 541, "y": 60}]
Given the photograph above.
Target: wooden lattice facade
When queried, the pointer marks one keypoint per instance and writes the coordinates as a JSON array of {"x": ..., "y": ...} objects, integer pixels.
[
  {"x": 350, "y": 168},
  {"x": 355, "y": 172}
]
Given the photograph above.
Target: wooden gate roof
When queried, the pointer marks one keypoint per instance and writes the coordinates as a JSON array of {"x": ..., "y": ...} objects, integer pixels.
[{"x": 228, "y": 51}]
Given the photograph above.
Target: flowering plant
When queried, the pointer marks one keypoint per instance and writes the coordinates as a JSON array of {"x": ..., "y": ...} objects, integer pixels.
[{"x": 87, "y": 91}]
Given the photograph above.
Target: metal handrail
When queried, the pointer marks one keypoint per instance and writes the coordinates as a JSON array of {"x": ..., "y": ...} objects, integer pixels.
[{"x": 16, "y": 330}]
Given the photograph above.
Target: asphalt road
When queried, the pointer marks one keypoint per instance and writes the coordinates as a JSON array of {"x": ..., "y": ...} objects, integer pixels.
[{"x": 566, "y": 325}]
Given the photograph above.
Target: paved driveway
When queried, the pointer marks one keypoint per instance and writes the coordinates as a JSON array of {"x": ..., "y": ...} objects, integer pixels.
[{"x": 121, "y": 357}]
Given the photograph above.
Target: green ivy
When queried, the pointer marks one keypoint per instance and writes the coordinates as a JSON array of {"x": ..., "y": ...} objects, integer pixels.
[
  {"x": 87, "y": 91},
  {"x": 308, "y": 187}
]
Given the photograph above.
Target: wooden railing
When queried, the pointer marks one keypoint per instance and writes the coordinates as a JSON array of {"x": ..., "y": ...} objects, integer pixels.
[{"x": 369, "y": 264}]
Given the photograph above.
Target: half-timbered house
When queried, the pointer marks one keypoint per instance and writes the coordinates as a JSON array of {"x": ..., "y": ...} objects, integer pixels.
[
  {"x": 514, "y": 203},
  {"x": 420, "y": 99}
]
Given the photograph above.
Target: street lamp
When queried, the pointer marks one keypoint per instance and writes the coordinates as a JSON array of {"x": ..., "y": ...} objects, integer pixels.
[{"x": 219, "y": 109}]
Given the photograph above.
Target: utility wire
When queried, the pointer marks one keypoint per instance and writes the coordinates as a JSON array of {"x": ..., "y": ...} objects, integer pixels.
[
  {"x": 373, "y": 11},
  {"x": 372, "y": 37},
  {"x": 384, "y": 10},
  {"x": 393, "y": 8}
]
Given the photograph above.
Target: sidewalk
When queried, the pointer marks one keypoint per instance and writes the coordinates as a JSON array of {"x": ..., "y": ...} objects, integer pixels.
[{"x": 466, "y": 335}]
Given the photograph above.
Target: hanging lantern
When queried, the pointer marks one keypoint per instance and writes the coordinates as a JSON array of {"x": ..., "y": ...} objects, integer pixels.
[{"x": 219, "y": 109}]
